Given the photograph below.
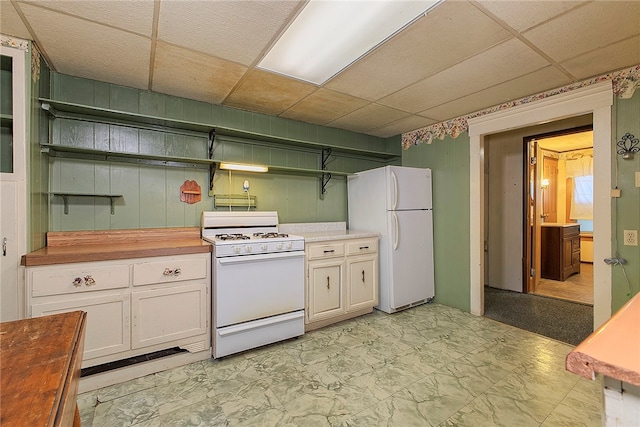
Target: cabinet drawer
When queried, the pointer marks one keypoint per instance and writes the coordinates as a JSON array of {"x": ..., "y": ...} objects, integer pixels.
[
  {"x": 362, "y": 247},
  {"x": 575, "y": 244},
  {"x": 170, "y": 270},
  {"x": 79, "y": 278},
  {"x": 318, "y": 251},
  {"x": 571, "y": 231}
]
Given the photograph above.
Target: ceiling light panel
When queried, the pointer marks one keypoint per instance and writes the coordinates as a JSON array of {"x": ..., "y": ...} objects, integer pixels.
[{"x": 327, "y": 36}]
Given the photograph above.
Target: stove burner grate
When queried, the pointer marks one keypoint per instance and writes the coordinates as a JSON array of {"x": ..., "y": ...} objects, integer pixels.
[
  {"x": 231, "y": 237},
  {"x": 270, "y": 235}
]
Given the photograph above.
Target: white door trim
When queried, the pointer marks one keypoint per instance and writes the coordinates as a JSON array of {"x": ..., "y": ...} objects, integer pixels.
[
  {"x": 596, "y": 99},
  {"x": 12, "y": 288}
]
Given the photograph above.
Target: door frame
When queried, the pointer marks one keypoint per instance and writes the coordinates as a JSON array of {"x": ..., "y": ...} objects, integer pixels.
[
  {"x": 530, "y": 222},
  {"x": 13, "y": 304},
  {"x": 596, "y": 99}
]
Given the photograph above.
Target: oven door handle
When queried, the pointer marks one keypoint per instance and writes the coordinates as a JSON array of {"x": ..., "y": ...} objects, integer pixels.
[
  {"x": 259, "y": 257},
  {"x": 242, "y": 327}
]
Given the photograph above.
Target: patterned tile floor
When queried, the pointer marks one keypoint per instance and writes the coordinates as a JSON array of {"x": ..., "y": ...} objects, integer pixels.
[{"x": 428, "y": 366}]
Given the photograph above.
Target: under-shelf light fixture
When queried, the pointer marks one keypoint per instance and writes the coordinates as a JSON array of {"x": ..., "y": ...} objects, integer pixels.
[
  {"x": 328, "y": 36},
  {"x": 243, "y": 167}
]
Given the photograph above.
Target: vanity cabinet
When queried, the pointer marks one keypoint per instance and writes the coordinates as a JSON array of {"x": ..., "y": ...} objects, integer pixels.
[
  {"x": 133, "y": 306},
  {"x": 560, "y": 253},
  {"x": 341, "y": 281}
]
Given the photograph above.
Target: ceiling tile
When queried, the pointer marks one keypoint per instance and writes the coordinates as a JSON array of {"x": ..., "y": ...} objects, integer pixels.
[
  {"x": 193, "y": 75},
  {"x": 400, "y": 126},
  {"x": 233, "y": 30},
  {"x": 267, "y": 93},
  {"x": 368, "y": 117},
  {"x": 323, "y": 106},
  {"x": 506, "y": 61},
  {"x": 450, "y": 33},
  {"x": 85, "y": 49},
  {"x": 587, "y": 28},
  {"x": 538, "y": 81},
  {"x": 616, "y": 56},
  {"x": 570, "y": 142},
  {"x": 134, "y": 16},
  {"x": 10, "y": 22},
  {"x": 522, "y": 15}
]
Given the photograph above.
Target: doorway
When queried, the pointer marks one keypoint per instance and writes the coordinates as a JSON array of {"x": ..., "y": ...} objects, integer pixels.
[
  {"x": 596, "y": 99},
  {"x": 559, "y": 242}
]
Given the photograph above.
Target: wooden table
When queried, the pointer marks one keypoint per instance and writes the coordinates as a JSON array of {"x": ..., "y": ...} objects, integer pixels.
[{"x": 40, "y": 361}]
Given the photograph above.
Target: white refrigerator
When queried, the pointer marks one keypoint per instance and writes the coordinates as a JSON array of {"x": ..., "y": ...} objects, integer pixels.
[{"x": 396, "y": 202}]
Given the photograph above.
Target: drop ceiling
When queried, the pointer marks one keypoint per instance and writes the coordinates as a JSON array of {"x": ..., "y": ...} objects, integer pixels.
[
  {"x": 460, "y": 57},
  {"x": 567, "y": 143}
]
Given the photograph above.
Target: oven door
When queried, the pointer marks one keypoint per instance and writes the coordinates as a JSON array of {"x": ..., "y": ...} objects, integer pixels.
[{"x": 252, "y": 287}]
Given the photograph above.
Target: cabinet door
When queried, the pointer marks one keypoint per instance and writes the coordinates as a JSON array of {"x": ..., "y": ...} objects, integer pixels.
[
  {"x": 363, "y": 283},
  {"x": 167, "y": 314},
  {"x": 107, "y": 322},
  {"x": 325, "y": 290},
  {"x": 13, "y": 172}
]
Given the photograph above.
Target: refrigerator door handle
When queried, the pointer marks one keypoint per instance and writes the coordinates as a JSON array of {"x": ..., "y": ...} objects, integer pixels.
[
  {"x": 395, "y": 188},
  {"x": 397, "y": 232}
]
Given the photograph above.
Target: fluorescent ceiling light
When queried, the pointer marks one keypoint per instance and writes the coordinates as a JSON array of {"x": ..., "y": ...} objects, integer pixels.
[
  {"x": 243, "y": 167},
  {"x": 328, "y": 35}
]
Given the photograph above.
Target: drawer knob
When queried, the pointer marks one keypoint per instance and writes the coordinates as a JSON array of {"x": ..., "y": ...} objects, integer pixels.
[
  {"x": 172, "y": 272},
  {"x": 329, "y": 251},
  {"x": 364, "y": 247},
  {"x": 77, "y": 282},
  {"x": 89, "y": 281}
]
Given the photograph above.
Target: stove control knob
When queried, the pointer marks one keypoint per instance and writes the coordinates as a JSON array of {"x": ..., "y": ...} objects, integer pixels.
[
  {"x": 263, "y": 247},
  {"x": 236, "y": 249},
  {"x": 248, "y": 249},
  {"x": 289, "y": 245},
  {"x": 280, "y": 245}
]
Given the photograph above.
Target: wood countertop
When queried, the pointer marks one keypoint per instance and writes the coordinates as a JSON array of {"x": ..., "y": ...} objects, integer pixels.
[
  {"x": 613, "y": 349},
  {"x": 40, "y": 370},
  {"x": 88, "y": 246}
]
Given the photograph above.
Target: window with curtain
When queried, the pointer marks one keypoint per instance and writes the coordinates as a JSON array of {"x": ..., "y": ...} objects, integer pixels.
[
  {"x": 582, "y": 200},
  {"x": 581, "y": 172}
]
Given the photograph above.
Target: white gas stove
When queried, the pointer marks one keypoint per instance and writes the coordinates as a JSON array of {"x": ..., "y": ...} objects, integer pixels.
[{"x": 258, "y": 280}]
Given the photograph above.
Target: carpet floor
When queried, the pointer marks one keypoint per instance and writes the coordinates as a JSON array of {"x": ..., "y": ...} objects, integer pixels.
[{"x": 564, "y": 321}]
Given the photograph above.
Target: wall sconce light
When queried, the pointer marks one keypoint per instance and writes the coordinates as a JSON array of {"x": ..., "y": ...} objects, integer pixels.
[
  {"x": 627, "y": 146},
  {"x": 243, "y": 167},
  {"x": 544, "y": 183}
]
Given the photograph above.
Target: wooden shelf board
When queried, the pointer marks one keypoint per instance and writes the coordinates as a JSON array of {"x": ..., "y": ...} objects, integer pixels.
[{"x": 133, "y": 156}]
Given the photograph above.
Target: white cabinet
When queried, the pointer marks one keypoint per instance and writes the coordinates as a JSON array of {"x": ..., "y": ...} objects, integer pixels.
[
  {"x": 187, "y": 304},
  {"x": 342, "y": 280},
  {"x": 14, "y": 119},
  {"x": 133, "y": 307},
  {"x": 108, "y": 321},
  {"x": 363, "y": 289},
  {"x": 325, "y": 296}
]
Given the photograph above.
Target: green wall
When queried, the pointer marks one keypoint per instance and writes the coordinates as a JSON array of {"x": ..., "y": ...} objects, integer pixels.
[
  {"x": 151, "y": 193},
  {"x": 626, "y": 216},
  {"x": 449, "y": 162}
]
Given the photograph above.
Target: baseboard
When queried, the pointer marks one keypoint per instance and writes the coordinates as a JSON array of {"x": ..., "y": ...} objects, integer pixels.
[{"x": 127, "y": 373}]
